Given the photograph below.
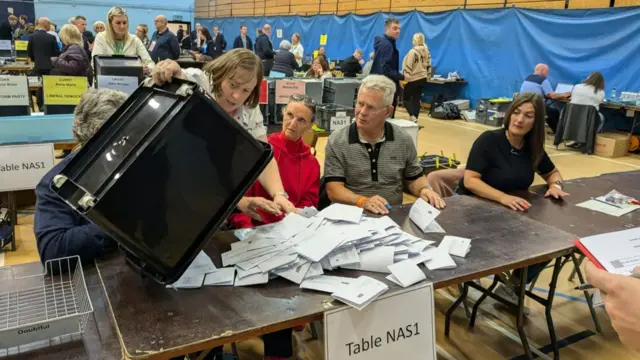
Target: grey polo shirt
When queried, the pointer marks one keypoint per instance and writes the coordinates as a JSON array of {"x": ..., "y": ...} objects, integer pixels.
[{"x": 368, "y": 170}]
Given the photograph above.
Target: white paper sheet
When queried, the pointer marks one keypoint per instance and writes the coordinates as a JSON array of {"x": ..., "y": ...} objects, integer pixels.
[
  {"x": 325, "y": 283},
  {"x": 261, "y": 278},
  {"x": 341, "y": 212},
  {"x": 346, "y": 256},
  {"x": 422, "y": 214},
  {"x": 457, "y": 246},
  {"x": 439, "y": 259},
  {"x": 607, "y": 209},
  {"x": 375, "y": 260},
  {"x": 406, "y": 273},
  {"x": 222, "y": 277},
  {"x": 361, "y": 292},
  {"x": 296, "y": 273}
]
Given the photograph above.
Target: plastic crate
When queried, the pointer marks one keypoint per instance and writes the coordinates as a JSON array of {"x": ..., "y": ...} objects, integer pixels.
[
  {"x": 340, "y": 91},
  {"x": 496, "y": 112},
  {"x": 325, "y": 112},
  {"x": 431, "y": 163}
]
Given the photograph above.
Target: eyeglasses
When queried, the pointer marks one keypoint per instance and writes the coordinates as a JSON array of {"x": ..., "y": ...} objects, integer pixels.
[
  {"x": 369, "y": 108},
  {"x": 304, "y": 99}
]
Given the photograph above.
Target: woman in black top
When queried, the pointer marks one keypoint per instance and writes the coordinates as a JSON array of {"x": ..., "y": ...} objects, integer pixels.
[
  {"x": 208, "y": 47},
  {"x": 505, "y": 160}
]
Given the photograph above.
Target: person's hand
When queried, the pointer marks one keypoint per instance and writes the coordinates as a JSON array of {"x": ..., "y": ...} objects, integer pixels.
[
  {"x": 515, "y": 203},
  {"x": 620, "y": 294},
  {"x": 284, "y": 203},
  {"x": 251, "y": 205},
  {"x": 376, "y": 205},
  {"x": 165, "y": 71},
  {"x": 432, "y": 198},
  {"x": 556, "y": 192},
  {"x": 566, "y": 95},
  {"x": 403, "y": 83}
]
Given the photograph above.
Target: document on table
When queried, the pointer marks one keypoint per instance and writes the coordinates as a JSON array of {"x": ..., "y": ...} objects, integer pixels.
[
  {"x": 422, "y": 214},
  {"x": 260, "y": 278},
  {"x": 361, "y": 292},
  {"x": 596, "y": 205},
  {"x": 344, "y": 256},
  {"x": 342, "y": 212},
  {"x": 406, "y": 273},
  {"x": 456, "y": 246},
  {"x": 618, "y": 252},
  {"x": 434, "y": 228},
  {"x": 376, "y": 260},
  {"x": 325, "y": 283},
  {"x": 439, "y": 258},
  {"x": 189, "y": 280},
  {"x": 222, "y": 277},
  {"x": 296, "y": 273}
]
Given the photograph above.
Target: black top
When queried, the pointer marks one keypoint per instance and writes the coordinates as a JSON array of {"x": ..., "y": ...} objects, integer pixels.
[
  {"x": 264, "y": 48},
  {"x": 41, "y": 48},
  {"x": 285, "y": 62},
  {"x": 351, "y": 67},
  {"x": 237, "y": 43},
  {"x": 501, "y": 166}
]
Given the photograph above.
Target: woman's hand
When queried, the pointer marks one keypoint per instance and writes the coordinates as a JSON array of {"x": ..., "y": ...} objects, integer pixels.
[
  {"x": 556, "y": 192},
  {"x": 284, "y": 203},
  {"x": 251, "y": 205},
  {"x": 515, "y": 203},
  {"x": 165, "y": 71}
]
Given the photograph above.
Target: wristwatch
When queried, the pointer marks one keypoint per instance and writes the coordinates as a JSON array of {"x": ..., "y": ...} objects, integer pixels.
[
  {"x": 283, "y": 193},
  {"x": 559, "y": 184}
]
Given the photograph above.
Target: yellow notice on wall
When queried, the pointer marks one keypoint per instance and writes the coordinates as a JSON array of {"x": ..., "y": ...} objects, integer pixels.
[
  {"x": 21, "y": 45},
  {"x": 323, "y": 39},
  {"x": 63, "y": 90}
]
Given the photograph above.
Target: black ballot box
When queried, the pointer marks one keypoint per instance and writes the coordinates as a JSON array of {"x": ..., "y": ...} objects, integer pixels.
[
  {"x": 118, "y": 65},
  {"x": 162, "y": 175}
]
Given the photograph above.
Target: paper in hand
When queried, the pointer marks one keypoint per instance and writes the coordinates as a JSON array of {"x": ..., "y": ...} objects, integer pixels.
[{"x": 422, "y": 214}]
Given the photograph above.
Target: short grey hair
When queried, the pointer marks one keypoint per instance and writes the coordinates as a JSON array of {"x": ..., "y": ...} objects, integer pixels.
[
  {"x": 285, "y": 45},
  {"x": 380, "y": 83},
  {"x": 95, "y": 107}
]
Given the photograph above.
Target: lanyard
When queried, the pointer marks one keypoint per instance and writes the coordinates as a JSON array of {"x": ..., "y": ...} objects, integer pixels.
[{"x": 118, "y": 48}]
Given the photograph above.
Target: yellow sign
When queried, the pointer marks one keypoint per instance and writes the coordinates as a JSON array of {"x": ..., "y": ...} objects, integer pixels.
[
  {"x": 21, "y": 45},
  {"x": 63, "y": 90},
  {"x": 323, "y": 39},
  {"x": 315, "y": 54}
]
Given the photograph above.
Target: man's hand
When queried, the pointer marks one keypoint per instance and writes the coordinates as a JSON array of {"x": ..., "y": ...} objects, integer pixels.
[
  {"x": 515, "y": 203},
  {"x": 556, "y": 192},
  {"x": 251, "y": 205},
  {"x": 284, "y": 203},
  {"x": 432, "y": 198},
  {"x": 620, "y": 295},
  {"x": 165, "y": 71},
  {"x": 376, "y": 205}
]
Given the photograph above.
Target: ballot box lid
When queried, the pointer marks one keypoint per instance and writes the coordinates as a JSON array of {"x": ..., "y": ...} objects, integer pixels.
[
  {"x": 162, "y": 174},
  {"x": 118, "y": 65}
]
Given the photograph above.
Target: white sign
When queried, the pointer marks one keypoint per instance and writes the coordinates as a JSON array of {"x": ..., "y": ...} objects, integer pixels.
[
  {"x": 286, "y": 88},
  {"x": 5, "y": 45},
  {"x": 338, "y": 122},
  {"x": 279, "y": 33},
  {"x": 126, "y": 84},
  {"x": 22, "y": 166},
  {"x": 32, "y": 333},
  {"x": 396, "y": 326},
  {"x": 14, "y": 91}
]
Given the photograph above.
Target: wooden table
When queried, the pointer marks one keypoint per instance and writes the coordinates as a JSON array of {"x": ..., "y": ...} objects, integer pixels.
[
  {"x": 16, "y": 68},
  {"x": 190, "y": 321}
]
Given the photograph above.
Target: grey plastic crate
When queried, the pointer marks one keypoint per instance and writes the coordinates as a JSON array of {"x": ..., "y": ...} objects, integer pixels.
[
  {"x": 325, "y": 112},
  {"x": 313, "y": 89},
  {"x": 340, "y": 91}
]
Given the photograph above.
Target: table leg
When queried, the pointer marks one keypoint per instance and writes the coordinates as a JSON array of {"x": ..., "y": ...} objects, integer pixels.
[
  {"x": 587, "y": 296},
  {"x": 575, "y": 268},
  {"x": 13, "y": 217},
  {"x": 474, "y": 312},
  {"x": 465, "y": 303},
  {"x": 452, "y": 308},
  {"x": 549, "y": 304},
  {"x": 520, "y": 317}
]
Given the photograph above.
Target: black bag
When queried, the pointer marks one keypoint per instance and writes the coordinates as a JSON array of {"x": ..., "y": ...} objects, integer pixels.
[{"x": 442, "y": 110}]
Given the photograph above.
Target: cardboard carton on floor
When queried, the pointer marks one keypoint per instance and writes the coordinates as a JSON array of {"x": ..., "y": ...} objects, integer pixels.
[{"x": 612, "y": 145}]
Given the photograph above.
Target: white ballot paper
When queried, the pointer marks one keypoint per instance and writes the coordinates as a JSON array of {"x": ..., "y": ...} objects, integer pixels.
[
  {"x": 325, "y": 283},
  {"x": 344, "y": 256},
  {"x": 406, "y": 273},
  {"x": 314, "y": 270},
  {"x": 434, "y": 228},
  {"x": 599, "y": 206},
  {"x": 457, "y": 246},
  {"x": 342, "y": 212},
  {"x": 295, "y": 273},
  {"x": 189, "y": 280},
  {"x": 422, "y": 214},
  {"x": 222, "y": 277},
  {"x": 439, "y": 259},
  {"x": 376, "y": 260},
  {"x": 361, "y": 292},
  {"x": 618, "y": 252},
  {"x": 260, "y": 278}
]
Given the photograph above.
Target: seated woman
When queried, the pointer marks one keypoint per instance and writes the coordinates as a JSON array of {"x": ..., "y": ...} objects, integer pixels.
[
  {"x": 208, "y": 47},
  {"x": 590, "y": 92},
  {"x": 285, "y": 61},
  {"x": 319, "y": 69},
  {"x": 299, "y": 168},
  {"x": 505, "y": 160},
  {"x": 60, "y": 231}
]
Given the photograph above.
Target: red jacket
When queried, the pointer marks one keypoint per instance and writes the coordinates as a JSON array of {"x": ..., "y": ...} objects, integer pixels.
[{"x": 300, "y": 173}]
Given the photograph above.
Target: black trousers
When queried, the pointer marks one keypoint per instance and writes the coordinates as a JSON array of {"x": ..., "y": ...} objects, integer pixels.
[
  {"x": 553, "y": 116},
  {"x": 267, "y": 65},
  {"x": 39, "y": 92},
  {"x": 411, "y": 97},
  {"x": 395, "y": 103},
  {"x": 277, "y": 344}
]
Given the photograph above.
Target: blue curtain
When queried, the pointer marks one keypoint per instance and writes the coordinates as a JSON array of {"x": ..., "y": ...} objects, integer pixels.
[{"x": 494, "y": 49}]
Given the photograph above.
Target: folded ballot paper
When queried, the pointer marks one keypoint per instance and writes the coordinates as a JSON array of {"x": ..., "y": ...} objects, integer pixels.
[{"x": 303, "y": 247}]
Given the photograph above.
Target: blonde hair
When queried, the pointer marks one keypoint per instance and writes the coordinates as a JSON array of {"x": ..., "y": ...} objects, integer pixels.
[
  {"x": 111, "y": 35},
  {"x": 226, "y": 66},
  {"x": 418, "y": 39},
  {"x": 70, "y": 35}
]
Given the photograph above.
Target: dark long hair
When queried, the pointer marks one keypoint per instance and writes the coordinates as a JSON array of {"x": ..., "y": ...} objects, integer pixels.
[
  {"x": 534, "y": 139},
  {"x": 206, "y": 33},
  {"x": 596, "y": 80}
]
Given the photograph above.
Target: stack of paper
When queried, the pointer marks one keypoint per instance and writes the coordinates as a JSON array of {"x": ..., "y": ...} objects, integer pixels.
[
  {"x": 456, "y": 246},
  {"x": 195, "y": 274},
  {"x": 360, "y": 292}
]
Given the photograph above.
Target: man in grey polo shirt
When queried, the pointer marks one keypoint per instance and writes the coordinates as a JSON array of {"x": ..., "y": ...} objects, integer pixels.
[{"x": 367, "y": 163}]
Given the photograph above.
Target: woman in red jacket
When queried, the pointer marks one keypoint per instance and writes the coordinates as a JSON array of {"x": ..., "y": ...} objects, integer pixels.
[{"x": 299, "y": 169}]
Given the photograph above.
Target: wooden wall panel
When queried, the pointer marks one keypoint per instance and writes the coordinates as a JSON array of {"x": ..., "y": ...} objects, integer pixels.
[
  {"x": 276, "y": 10},
  {"x": 222, "y": 2},
  {"x": 541, "y": 5},
  {"x": 370, "y": 6},
  {"x": 304, "y": 9},
  {"x": 627, "y": 3},
  {"x": 484, "y": 5},
  {"x": 588, "y": 4},
  {"x": 328, "y": 7}
]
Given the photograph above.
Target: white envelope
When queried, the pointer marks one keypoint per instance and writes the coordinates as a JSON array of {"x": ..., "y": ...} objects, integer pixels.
[
  {"x": 189, "y": 280},
  {"x": 261, "y": 278},
  {"x": 375, "y": 260},
  {"x": 244, "y": 273},
  {"x": 319, "y": 246},
  {"x": 400, "y": 257},
  {"x": 314, "y": 270},
  {"x": 222, "y": 277},
  {"x": 434, "y": 228},
  {"x": 401, "y": 249},
  {"x": 406, "y": 273},
  {"x": 420, "y": 258},
  {"x": 417, "y": 247},
  {"x": 292, "y": 224},
  {"x": 422, "y": 214},
  {"x": 342, "y": 212},
  {"x": 202, "y": 263},
  {"x": 275, "y": 262},
  {"x": 439, "y": 259},
  {"x": 361, "y": 292},
  {"x": 325, "y": 283},
  {"x": 456, "y": 246},
  {"x": 296, "y": 273},
  {"x": 346, "y": 256},
  {"x": 308, "y": 211}
]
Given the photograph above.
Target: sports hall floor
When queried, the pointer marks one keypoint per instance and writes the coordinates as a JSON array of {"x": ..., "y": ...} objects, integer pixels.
[{"x": 495, "y": 335}]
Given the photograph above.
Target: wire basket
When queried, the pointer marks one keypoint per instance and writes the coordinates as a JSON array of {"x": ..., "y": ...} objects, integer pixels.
[{"x": 44, "y": 309}]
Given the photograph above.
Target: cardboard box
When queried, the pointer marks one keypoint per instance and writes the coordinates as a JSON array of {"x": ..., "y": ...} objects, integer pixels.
[{"x": 612, "y": 145}]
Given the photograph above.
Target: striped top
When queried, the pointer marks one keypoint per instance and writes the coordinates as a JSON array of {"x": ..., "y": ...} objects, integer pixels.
[{"x": 368, "y": 170}]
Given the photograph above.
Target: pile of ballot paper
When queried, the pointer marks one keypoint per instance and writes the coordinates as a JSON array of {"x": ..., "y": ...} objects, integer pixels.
[{"x": 302, "y": 246}]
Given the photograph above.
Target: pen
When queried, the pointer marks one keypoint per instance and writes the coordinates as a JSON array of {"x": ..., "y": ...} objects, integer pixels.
[
  {"x": 387, "y": 206},
  {"x": 585, "y": 287}
]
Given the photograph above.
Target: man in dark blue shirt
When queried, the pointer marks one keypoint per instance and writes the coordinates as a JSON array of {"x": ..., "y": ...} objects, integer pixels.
[
  {"x": 164, "y": 44},
  {"x": 539, "y": 84},
  {"x": 386, "y": 59}
]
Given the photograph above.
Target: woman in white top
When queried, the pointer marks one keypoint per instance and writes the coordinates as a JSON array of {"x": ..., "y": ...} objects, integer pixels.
[
  {"x": 117, "y": 40},
  {"x": 416, "y": 68},
  {"x": 234, "y": 80},
  {"x": 297, "y": 49},
  {"x": 590, "y": 92}
]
